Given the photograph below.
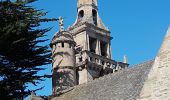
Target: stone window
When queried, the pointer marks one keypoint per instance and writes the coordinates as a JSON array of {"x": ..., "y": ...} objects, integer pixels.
[
  {"x": 62, "y": 44},
  {"x": 81, "y": 14},
  {"x": 91, "y": 59},
  {"x": 102, "y": 62},
  {"x": 94, "y": 13},
  {"x": 80, "y": 59},
  {"x": 103, "y": 48},
  {"x": 92, "y": 43},
  {"x": 69, "y": 45}
]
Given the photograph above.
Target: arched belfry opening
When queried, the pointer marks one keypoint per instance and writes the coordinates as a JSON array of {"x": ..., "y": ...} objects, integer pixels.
[
  {"x": 81, "y": 14},
  {"x": 94, "y": 15}
]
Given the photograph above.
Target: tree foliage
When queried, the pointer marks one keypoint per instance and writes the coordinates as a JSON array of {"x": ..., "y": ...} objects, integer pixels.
[{"x": 21, "y": 55}]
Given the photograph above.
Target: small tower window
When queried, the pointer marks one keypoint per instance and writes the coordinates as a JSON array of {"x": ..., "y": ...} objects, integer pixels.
[
  {"x": 103, "y": 48},
  {"x": 94, "y": 12},
  {"x": 91, "y": 59},
  {"x": 81, "y": 14},
  {"x": 62, "y": 44},
  {"x": 80, "y": 59},
  {"x": 102, "y": 62},
  {"x": 69, "y": 45},
  {"x": 93, "y": 44}
]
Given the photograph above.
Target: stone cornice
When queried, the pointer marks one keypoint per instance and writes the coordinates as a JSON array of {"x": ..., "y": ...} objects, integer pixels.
[{"x": 89, "y": 27}]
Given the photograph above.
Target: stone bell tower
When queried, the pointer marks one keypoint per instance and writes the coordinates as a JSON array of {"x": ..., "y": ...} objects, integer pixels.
[
  {"x": 93, "y": 43},
  {"x": 88, "y": 12},
  {"x": 63, "y": 65}
]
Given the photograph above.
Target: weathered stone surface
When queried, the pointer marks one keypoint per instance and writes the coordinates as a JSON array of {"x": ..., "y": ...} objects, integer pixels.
[
  {"x": 63, "y": 62},
  {"x": 123, "y": 85},
  {"x": 157, "y": 86}
]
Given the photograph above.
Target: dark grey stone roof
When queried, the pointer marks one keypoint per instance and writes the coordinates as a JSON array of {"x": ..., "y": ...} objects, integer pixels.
[{"x": 123, "y": 85}]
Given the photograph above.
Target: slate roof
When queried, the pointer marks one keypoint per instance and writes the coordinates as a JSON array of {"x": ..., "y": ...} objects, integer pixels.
[{"x": 123, "y": 85}]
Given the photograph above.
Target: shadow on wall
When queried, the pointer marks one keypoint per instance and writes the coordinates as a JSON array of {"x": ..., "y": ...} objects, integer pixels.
[{"x": 65, "y": 80}]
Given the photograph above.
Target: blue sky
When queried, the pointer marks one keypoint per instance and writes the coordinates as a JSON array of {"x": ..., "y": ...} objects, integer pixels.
[{"x": 137, "y": 26}]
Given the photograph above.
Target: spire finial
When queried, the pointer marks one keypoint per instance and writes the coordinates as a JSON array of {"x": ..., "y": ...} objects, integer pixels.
[
  {"x": 61, "y": 23},
  {"x": 125, "y": 59}
]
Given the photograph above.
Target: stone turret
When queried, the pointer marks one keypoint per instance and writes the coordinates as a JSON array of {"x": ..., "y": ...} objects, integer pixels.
[{"x": 63, "y": 54}]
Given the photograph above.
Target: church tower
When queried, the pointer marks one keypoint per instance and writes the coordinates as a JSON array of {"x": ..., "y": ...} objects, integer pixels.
[
  {"x": 93, "y": 43},
  {"x": 82, "y": 52}
]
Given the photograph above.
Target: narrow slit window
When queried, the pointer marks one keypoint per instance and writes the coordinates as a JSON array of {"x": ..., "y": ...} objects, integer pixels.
[
  {"x": 94, "y": 12},
  {"x": 62, "y": 44},
  {"x": 80, "y": 59},
  {"x": 69, "y": 45}
]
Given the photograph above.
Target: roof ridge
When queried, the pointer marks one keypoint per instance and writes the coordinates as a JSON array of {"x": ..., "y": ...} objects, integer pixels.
[{"x": 142, "y": 63}]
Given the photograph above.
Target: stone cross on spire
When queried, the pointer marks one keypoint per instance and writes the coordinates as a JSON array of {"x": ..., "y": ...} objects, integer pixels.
[{"x": 61, "y": 23}]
